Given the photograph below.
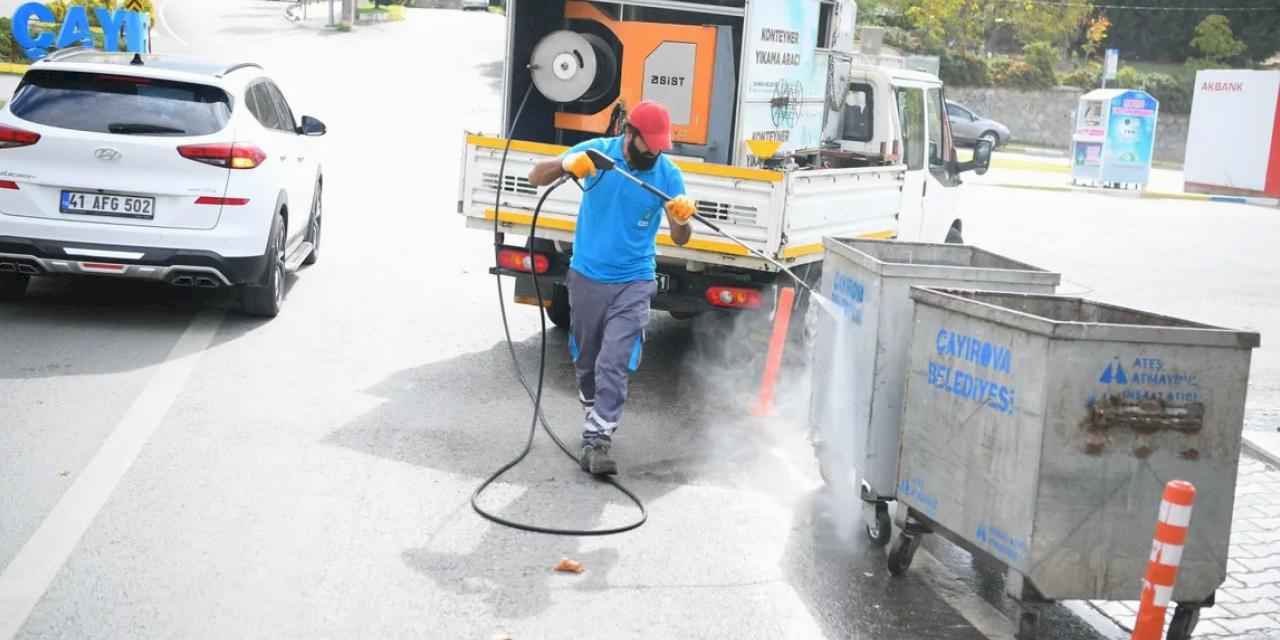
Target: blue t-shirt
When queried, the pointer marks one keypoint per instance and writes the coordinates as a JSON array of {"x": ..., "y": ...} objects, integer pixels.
[{"x": 618, "y": 222}]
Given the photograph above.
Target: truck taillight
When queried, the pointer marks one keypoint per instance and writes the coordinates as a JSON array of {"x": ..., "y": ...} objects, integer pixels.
[
  {"x": 225, "y": 155},
  {"x": 521, "y": 260},
  {"x": 734, "y": 297},
  {"x": 11, "y": 138}
]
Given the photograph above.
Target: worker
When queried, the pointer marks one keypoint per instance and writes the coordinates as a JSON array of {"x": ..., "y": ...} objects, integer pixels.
[{"x": 612, "y": 277}]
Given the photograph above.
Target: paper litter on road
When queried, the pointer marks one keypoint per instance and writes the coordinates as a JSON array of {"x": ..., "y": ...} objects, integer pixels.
[{"x": 570, "y": 566}]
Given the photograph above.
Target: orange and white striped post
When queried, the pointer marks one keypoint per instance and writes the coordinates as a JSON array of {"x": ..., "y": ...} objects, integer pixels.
[
  {"x": 1166, "y": 555},
  {"x": 773, "y": 363}
]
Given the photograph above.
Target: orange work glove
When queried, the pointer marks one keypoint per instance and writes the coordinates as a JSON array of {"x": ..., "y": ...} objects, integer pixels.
[
  {"x": 681, "y": 209},
  {"x": 578, "y": 164}
]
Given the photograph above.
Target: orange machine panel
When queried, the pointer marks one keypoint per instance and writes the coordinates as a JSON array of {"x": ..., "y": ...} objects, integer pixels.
[{"x": 645, "y": 46}]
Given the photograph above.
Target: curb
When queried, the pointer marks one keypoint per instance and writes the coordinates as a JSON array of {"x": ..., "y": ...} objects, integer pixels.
[
  {"x": 13, "y": 69},
  {"x": 1030, "y": 165},
  {"x": 1270, "y": 203},
  {"x": 1039, "y": 152},
  {"x": 1262, "y": 452}
]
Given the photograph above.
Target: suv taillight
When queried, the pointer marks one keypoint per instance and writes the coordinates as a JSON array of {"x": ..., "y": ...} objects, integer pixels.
[
  {"x": 225, "y": 155},
  {"x": 11, "y": 137}
]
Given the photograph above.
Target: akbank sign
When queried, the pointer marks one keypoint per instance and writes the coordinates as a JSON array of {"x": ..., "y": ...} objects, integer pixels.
[{"x": 75, "y": 30}]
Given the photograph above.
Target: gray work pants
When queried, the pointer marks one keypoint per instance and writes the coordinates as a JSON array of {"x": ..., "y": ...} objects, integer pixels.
[{"x": 606, "y": 339}]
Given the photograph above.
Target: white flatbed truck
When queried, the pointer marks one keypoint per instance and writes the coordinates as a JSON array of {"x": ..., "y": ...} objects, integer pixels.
[{"x": 865, "y": 154}]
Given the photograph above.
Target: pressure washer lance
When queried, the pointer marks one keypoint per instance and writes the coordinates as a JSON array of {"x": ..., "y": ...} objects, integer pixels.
[{"x": 605, "y": 163}]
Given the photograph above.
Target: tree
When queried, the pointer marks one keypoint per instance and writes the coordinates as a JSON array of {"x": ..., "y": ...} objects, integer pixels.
[
  {"x": 1215, "y": 42},
  {"x": 945, "y": 24},
  {"x": 1042, "y": 22},
  {"x": 1094, "y": 35},
  {"x": 968, "y": 25},
  {"x": 1166, "y": 34}
]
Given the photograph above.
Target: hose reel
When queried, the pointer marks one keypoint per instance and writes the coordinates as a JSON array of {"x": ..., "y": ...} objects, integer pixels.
[{"x": 569, "y": 66}]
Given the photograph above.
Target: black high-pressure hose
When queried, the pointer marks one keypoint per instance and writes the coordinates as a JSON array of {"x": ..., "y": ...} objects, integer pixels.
[{"x": 536, "y": 396}]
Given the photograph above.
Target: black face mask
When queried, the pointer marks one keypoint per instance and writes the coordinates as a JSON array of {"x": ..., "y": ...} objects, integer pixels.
[{"x": 640, "y": 160}]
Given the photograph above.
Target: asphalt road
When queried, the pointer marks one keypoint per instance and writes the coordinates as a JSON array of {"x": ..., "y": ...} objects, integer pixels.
[{"x": 171, "y": 469}]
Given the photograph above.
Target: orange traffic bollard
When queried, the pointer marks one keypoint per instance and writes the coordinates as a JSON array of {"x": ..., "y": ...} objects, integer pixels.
[
  {"x": 777, "y": 342},
  {"x": 1166, "y": 555}
]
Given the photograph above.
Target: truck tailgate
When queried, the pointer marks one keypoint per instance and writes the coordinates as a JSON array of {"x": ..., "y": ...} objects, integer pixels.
[
  {"x": 751, "y": 204},
  {"x": 846, "y": 203}
]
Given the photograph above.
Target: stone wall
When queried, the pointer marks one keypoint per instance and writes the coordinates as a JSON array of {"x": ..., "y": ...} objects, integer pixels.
[
  {"x": 1171, "y": 137},
  {"x": 1045, "y": 118}
]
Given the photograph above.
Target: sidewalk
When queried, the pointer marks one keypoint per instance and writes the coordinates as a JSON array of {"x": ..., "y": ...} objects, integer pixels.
[
  {"x": 1042, "y": 172},
  {"x": 1248, "y": 604}
]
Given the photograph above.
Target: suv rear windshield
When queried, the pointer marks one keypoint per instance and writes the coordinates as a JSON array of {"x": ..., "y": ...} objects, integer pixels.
[{"x": 106, "y": 103}]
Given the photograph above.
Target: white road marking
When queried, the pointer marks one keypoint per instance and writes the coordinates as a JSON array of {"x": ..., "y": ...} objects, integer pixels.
[
  {"x": 1101, "y": 623},
  {"x": 164, "y": 24},
  {"x": 33, "y": 569},
  {"x": 984, "y": 617}
]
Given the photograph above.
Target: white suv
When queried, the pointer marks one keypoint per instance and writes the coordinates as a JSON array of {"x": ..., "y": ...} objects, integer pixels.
[{"x": 156, "y": 168}]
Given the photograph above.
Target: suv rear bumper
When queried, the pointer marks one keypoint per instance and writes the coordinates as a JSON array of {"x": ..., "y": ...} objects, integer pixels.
[{"x": 179, "y": 267}]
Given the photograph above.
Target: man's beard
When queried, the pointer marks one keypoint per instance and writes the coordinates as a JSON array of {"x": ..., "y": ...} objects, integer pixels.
[{"x": 639, "y": 160}]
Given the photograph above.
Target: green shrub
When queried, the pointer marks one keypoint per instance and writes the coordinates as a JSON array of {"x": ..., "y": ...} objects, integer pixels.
[
  {"x": 1016, "y": 74},
  {"x": 1174, "y": 95},
  {"x": 1127, "y": 78},
  {"x": 9, "y": 51},
  {"x": 964, "y": 70},
  {"x": 1086, "y": 77},
  {"x": 59, "y": 9},
  {"x": 903, "y": 40},
  {"x": 1041, "y": 55}
]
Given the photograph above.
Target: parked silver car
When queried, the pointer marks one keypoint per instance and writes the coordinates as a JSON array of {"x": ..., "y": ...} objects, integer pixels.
[{"x": 969, "y": 127}]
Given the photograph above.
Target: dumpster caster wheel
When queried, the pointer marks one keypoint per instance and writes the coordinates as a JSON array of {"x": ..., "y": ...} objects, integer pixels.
[
  {"x": 880, "y": 528},
  {"x": 1028, "y": 625},
  {"x": 903, "y": 552},
  {"x": 1184, "y": 622}
]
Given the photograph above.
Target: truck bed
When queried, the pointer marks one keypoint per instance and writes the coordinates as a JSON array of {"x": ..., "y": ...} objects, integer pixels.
[{"x": 784, "y": 214}]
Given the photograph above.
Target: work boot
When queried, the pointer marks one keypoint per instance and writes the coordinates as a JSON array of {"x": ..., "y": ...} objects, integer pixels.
[{"x": 596, "y": 460}]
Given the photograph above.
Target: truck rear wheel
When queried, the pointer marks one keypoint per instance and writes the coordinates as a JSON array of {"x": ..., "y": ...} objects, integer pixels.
[
  {"x": 805, "y": 316},
  {"x": 558, "y": 311}
]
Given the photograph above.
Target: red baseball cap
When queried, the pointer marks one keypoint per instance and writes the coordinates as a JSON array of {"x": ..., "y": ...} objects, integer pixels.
[{"x": 653, "y": 121}]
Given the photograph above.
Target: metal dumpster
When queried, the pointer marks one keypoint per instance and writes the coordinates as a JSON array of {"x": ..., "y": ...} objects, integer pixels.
[
  {"x": 1041, "y": 430},
  {"x": 860, "y": 357}
]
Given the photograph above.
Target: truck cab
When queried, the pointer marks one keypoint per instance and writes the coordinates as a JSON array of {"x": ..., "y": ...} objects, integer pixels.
[{"x": 898, "y": 116}]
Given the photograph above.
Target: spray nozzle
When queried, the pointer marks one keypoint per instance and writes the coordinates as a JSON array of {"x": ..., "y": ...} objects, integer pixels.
[{"x": 600, "y": 160}]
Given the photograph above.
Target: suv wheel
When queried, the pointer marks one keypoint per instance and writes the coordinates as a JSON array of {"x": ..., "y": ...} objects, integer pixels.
[
  {"x": 264, "y": 299},
  {"x": 13, "y": 286}
]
